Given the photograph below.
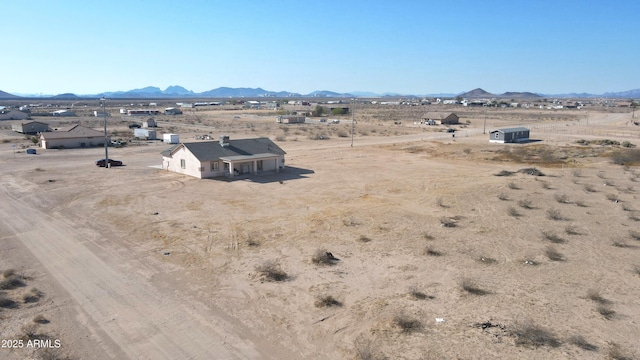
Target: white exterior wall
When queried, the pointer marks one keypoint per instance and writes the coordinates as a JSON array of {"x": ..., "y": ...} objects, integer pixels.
[
  {"x": 74, "y": 143},
  {"x": 192, "y": 165}
]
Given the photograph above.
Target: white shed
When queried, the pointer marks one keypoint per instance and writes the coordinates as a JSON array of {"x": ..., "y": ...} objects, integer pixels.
[{"x": 170, "y": 138}]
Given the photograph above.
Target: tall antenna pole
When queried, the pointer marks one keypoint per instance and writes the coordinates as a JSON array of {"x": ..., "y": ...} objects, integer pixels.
[
  {"x": 484, "y": 126},
  {"x": 353, "y": 122},
  {"x": 106, "y": 143}
]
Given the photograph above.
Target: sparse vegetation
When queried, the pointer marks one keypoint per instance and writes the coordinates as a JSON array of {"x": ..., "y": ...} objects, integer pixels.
[
  {"x": 11, "y": 282},
  {"x": 505, "y": 173},
  {"x": 365, "y": 349},
  {"x": 589, "y": 188},
  {"x": 615, "y": 352},
  {"x": 549, "y": 236},
  {"x": 502, "y": 196},
  {"x": 513, "y": 212},
  {"x": 471, "y": 286},
  {"x": 6, "y": 302},
  {"x": 419, "y": 295},
  {"x": 529, "y": 334},
  {"x": 525, "y": 204},
  {"x": 513, "y": 186},
  {"x": 270, "y": 270},
  {"x": 364, "y": 239},
  {"x": 553, "y": 254},
  {"x": 432, "y": 252},
  {"x": 571, "y": 230},
  {"x": 32, "y": 296},
  {"x": 582, "y": 343},
  {"x": 635, "y": 235},
  {"x": 406, "y": 323},
  {"x": 447, "y": 222},
  {"x": 594, "y": 295},
  {"x": 562, "y": 198},
  {"x": 554, "y": 214},
  {"x": 327, "y": 301},
  {"x": 323, "y": 257},
  {"x": 40, "y": 319},
  {"x": 606, "y": 311}
]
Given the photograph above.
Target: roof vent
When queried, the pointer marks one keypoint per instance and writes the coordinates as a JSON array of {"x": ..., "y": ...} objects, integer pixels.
[{"x": 224, "y": 140}]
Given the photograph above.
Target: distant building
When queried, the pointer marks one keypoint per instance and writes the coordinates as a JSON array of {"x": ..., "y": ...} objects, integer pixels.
[
  {"x": 30, "y": 128},
  {"x": 172, "y": 111},
  {"x": 13, "y": 115},
  {"x": 75, "y": 136},
  {"x": 291, "y": 119},
  {"x": 509, "y": 135},
  {"x": 441, "y": 118},
  {"x": 64, "y": 113}
]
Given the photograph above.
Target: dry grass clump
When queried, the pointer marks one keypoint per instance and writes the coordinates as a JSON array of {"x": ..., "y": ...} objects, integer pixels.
[
  {"x": 562, "y": 198},
  {"x": 554, "y": 214},
  {"x": 580, "y": 203},
  {"x": 553, "y": 254},
  {"x": 40, "y": 319},
  {"x": 590, "y": 188},
  {"x": 472, "y": 287},
  {"x": 606, "y": 311},
  {"x": 513, "y": 186},
  {"x": 635, "y": 235},
  {"x": 582, "y": 343},
  {"x": 571, "y": 230},
  {"x": 323, "y": 257},
  {"x": 270, "y": 270},
  {"x": 364, "y": 239},
  {"x": 502, "y": 196},
  {"x": 365, "y": 349},
  {"x": 6, "y": 302},
  {"x": 621, "y": 244},
  {"x": 8, "y": 272},
  {"x": 613, "y": 197},
  {"x": 594, "y": 295},
  {"x": 432, "y": 252},
  {"x": 549, "y": 236},
  {"x": 419, "y": 295},
  {"x": 529, "y": 334},
  {"x": 32, "y": 296},
  {"x": 487, "y": 260},
  {"x": 504, "y": 173},
  {"x": 615, "y": 352},
  {"x": 11, "y": 281},
  {"x": 513, "y": 212},
  {"x": 525, "y": 204},
  {"x": 406, "y": 323},
  {"x": 327, "y": 301}
]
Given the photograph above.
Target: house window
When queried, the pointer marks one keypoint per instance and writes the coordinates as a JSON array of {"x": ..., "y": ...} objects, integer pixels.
[
  {"x": 183, "y": 163},
  {"x": 226, "y": 166},
  {"x": 496, "y": 135},
  {"x": 214, "y": 166}
]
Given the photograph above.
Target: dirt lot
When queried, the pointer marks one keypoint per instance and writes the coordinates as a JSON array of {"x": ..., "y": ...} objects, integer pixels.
[{"x": 433, "y": 256}]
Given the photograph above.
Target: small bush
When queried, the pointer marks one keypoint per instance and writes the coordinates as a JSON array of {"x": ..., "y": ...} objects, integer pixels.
[
  {"x": 583, "y": 344},
  {"x": 440, "y": 202},
  {"x": 472, "y": 287},
  {"x": 270, "y": 270},
  {"x": 577, "y": 173},
  {"x": 606, "y": 312},
  {"x": 580, "y": 203},
  {"x": 40, "y": 319},
  {"x": 7, "y": 273},
  {"x": 594, "y": 295},
  {"x": 432, "y": 252},
  {"x": 513, "y": 186},
  {"x": 529, "y": 334},
  {"x": 419, "y": 295},
  {"x": 589, "y": 188},
  {"x": 6, "y": 302},
  {"x": 613, "y": 197},
  {"x": 531, "y": 171},
  {"x": 616, "y": 353},
  {"x": 502, "y": 196},
  {"x": 571, "y": 230},
  {"x": 364, "y": 239},
  {"x": 554, "y": 214},
  {"x": 505, "y": 173},
  {"x": 366, "y": 350},
  {"x": 553, "y": 254},
  {"x": 513, "y": 212},
  {"x": 487, "y": 260},
  {"x": 549, "y": 236},
  {"x": 525, "y": 204},
  {"x": 562, "y": 198},
  {"x": 323, "y": 257},
  {"x": 327, "y": 301},
  {"x": 32, "y": 296},
  {"x": 635, "y": 235},
  {"x": 11, "y": 282},
  {"x": 621, "y": 244},
  {"x": 406, "y": 324}
]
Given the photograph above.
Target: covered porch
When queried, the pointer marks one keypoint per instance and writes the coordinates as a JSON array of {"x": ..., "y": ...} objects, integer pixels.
[{"x": 250, "y": 164}]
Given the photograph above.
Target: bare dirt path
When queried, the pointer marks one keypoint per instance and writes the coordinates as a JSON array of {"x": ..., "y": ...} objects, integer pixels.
[{"x": 145, "y": 322}]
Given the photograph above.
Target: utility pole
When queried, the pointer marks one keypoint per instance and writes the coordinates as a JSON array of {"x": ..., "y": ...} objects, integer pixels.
[
  {"x": 484, "y": 126},
  {"x": 353, "y": 119},
  {"x": 106, "y": 142}
]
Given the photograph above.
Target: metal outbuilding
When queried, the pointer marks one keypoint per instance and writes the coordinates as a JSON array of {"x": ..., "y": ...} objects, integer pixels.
[{"x": 509, "y": 135}]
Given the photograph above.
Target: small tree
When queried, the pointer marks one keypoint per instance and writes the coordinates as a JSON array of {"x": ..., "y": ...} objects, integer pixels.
[{"x": 319, "y": 111}]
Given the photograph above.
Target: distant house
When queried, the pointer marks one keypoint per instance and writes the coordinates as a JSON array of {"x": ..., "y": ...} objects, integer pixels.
[
  {"x": 76, "y": 136},
  {"x": 149, "y": 123},
  {"x": 291, "y": 119},
  {"x": 225, "y": 157},
  {"x": 30, "y": 128},
  {"x": 509, "y": 135},
  {"x": 172, "y": 111},
  {"x": 6, "y": 114},
  {"x": 441, "y": 118}
]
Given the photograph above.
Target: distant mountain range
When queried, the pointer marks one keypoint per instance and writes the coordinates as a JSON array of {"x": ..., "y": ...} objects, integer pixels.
[{"x": 176, "y": 91}]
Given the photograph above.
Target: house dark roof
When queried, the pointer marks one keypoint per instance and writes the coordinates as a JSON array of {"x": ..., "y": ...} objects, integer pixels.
[
  {"x": 438, "y": 115},
  {"x": 212, "y": 150},
  {"x": 75, "y": 131}
]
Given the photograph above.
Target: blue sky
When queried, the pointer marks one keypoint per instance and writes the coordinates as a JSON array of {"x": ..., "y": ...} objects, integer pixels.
[{"x": 406, "y": 47}]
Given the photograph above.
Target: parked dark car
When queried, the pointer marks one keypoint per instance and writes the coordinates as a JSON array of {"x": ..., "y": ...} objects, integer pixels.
[
  {"x": 134, "y": 126},
  {"x": 112, "y": 162}
]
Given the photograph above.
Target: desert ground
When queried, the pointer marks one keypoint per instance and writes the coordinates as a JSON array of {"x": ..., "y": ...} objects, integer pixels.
[{"x": 440, "y": 247}]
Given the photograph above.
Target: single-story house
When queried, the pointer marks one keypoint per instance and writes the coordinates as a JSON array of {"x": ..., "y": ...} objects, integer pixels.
[
  {"x": 8, "y": 114},
  {"x": 509, "y": 135},
  {"x": 30, "y": 127},
  {"x": 73, "y": 137},
  {"x": 149, "y": 123},
  {"x": 63, "y": 113},
  {"x": 441, "y": 118},
  {"x": 225, "y": 157}
]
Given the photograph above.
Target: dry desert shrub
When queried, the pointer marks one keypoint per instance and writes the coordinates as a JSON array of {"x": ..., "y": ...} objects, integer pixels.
[
  {"x": 594, "y": 295},
  {"x": 366, "y": 349},
  {"x": 549, "y": 236},
  {"x": 562, "y": 198},
  {"x": 590, "y": 188},
  {"x": 6, "y": 302},
  {"x": 487, "y": 260},
  {"x": 613, "y": 197},
  {"x": 615, "y": 352},
  {"x": 32, "y": 296},
  {"x": 525, "y": 204},
  {"x": 323, "y": 257},
  {"x": 270, "y": 270},
  {"x": 582, "y": 343},
  {"x": 471, "y": 286},
  {"x": 406, "y": 323},
  {"x": 571, "y": 230},
  {"x": 580, "y": 203},
  {"x": 554, "y": 214},
  {"x": 529, "y": 334},
  {"x": 8, "y": 272},
  {"x": 606, "y": 311},
  {"x": 447, "y": 222},
  {"x": 327, "y": 301},
  {"x": 431, "y": 251},
  {"x": 364, "y": 239},
  {"x": 513, "y": 186},
  {"x": 502, "y": 196},
  {"x": 635, "y": 235},
  {"x": 553, "y": 254},
  {"x": 11, "y": 282},
  {"x": 513, "y": 212},
  {"x": 419, "y": 295},
  {"x": 621, "y": 244},
  {"x": 505, "y": 173},
  {"x": 40, "y": 319}
]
